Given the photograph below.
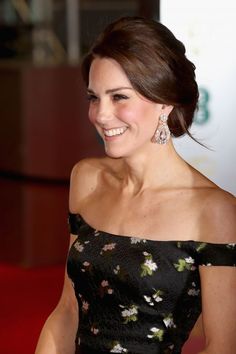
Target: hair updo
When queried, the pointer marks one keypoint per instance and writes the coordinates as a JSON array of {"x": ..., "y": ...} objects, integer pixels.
[{"x": 155, "y": 64}]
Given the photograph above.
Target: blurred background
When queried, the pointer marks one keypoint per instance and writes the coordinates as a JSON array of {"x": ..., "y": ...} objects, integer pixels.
[{"x": 44, "y": 131}]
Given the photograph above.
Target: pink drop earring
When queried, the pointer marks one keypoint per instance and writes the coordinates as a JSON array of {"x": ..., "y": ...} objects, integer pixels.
[{"x": 162, "y": 133}]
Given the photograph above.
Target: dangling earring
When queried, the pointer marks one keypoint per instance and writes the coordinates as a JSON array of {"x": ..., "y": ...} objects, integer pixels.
[{"x": 162, "y": 133}]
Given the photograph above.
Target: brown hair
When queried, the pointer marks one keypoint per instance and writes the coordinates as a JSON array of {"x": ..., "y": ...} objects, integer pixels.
[{"x": 154, "y": 62}]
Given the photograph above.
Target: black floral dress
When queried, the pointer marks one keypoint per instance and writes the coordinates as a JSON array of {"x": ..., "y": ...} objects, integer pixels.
[{"x": 135, "y": 295}]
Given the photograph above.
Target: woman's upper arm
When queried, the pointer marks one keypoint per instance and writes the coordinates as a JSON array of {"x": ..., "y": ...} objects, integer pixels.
[
  {"x": 68, "y": 299},
  {"x": 218, "y": 283}
]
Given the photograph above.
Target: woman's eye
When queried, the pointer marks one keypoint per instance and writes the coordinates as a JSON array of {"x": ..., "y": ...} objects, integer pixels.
[
  {"x": 91, "y": 98},
  {"x": 118, "y": 97}
]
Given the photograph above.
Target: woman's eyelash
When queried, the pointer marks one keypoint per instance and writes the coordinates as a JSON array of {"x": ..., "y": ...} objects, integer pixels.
[
  {"x": 118, "y": 96},
  {"x": 115, "y": 97},
  {"x": 91, "y": 97}
]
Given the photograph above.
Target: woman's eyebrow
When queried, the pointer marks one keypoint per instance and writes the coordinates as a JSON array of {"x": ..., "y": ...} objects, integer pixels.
[{"x": 112, "y": 90}]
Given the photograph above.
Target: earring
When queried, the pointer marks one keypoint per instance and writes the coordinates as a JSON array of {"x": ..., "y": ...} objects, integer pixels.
[{"x": 162, "y": 133}]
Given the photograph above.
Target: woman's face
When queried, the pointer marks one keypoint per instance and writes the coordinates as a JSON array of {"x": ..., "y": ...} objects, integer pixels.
[{"x": 125, "y": 120}]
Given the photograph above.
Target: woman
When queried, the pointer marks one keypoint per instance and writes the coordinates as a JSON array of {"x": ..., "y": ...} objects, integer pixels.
[{"x": 153, "y": 240}]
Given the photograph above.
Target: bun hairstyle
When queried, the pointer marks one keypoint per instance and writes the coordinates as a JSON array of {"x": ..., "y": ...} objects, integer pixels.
[{"x": 154, "y": 62}]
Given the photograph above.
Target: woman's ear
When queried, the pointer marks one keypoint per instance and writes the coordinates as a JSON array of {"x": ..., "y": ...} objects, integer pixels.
[{"x": 166, "y": 109}]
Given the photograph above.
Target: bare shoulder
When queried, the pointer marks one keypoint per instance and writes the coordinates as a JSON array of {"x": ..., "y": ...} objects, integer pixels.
[
  {"x": 84, "y": 180},
  {"x": 218, "y": 215}
]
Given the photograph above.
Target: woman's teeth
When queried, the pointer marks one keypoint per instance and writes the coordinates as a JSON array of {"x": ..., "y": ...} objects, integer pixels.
[{"x": 113, "y": 132}]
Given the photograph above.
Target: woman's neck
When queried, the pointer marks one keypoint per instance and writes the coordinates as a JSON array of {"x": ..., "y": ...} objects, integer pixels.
[{"x": 160, "y": 168}]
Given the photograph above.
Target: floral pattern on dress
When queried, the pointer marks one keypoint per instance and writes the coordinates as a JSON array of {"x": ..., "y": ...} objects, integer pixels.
[
  {"x": 108, "y": 247},
  {"x": 78, "y": 246},
  {"x": 137, "y": 240},
  {"x": 117, "y": 348},
  {"x": 156, "y": 333},
  {"x": 231, "y": 245},
  {"x": 185, "y": 264},
  {"x": 119, "y": 281},
  {"x": 105, "y": 288},
  {"x": 193, "y": 291},
  {"x": 86, "y": 266},
  {"x": 201, "y": 246},
  {"x": 116, "y": 270},
  {"x": 169, "y": 321},
  {"x": 148, "y": 266},
  {"x": 129, "y": 313},
  {"x": 94, "y": 329},
  {"x": 85, "y": 306},
  {"x": 155, "y": 297}
]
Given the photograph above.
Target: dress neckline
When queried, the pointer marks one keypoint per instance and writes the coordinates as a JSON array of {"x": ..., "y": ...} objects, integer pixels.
[{"x": 141, "y": 238}]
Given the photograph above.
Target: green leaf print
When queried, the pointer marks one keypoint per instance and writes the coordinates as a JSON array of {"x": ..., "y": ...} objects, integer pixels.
[
  {"x": 181, "y": 265},
  {"x": 186, "y": 263},
  {"x": 156, "y": 334},
  {"x": 201, "y": 246},
  {"x": 145, "y": 270}
]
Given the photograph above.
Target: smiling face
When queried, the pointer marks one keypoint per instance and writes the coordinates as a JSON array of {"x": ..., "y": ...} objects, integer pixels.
[{"x": 125, "y": 120}]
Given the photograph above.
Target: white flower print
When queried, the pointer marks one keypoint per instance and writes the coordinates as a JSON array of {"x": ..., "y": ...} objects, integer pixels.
[
  {"x": 149, "y": 300},
  {"x": 146, "y": 253},
  {"x": 86, "y": 264},
  {"x": 105, "y": 288},
  {"x": 117, "y": 348},
  {"x": 150, "y": 264},
  {"x": 94, "y": 330},
  {"x": 206, "y": 265},
  {"x": 129, "y": 313},
  {"x": 108, "y": 247},
  {"x": 135, "y": 240},
  {"x": 193, "y": 291},
  {"x": 104, "y": 283},
  {"x": 157, "y": 333},
  {"x": 116, "y": 270},
  {"x": 155, "y": 296},
  {"x": 148, "y": 267},
  {"x": 85, "y": 306},
  {"x": 189, "y": 260},
  {"x": 79, "y": 246},
  {"x": 96, "y": 233},
  {"x": 231, "y": 245},
  {"x": 169, "y": 321}
]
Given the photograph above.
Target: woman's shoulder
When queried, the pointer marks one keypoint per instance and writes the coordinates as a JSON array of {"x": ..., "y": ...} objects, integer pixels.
[
  {"x": 218, "y": 215},
  {"x": 90, "y": 168},
  {"x": 85, "y": 177}
]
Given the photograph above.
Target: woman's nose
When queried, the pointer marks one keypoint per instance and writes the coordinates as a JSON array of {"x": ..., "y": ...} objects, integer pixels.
[{"x": 104, "y": 113}]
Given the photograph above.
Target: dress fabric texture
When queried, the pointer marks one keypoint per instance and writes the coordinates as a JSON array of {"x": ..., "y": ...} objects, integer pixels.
[{"x": 136, "y": 295}]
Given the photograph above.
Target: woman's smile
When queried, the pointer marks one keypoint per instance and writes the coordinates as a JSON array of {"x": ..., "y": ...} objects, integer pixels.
[{"x": 114, "y": 132}]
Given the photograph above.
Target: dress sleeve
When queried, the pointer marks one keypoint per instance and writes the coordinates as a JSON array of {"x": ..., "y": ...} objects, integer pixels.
[
  {"x": 74, "y": 223},
  {"x": 214, "y": 254}
]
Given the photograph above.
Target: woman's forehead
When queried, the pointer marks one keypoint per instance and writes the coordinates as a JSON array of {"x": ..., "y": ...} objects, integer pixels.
[{"x": 108, "y": 72}]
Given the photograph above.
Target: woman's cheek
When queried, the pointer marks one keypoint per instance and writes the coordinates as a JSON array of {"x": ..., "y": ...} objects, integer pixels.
[
  {"x": 92, "y": 115},
  {"x": 127, "y": 113}
]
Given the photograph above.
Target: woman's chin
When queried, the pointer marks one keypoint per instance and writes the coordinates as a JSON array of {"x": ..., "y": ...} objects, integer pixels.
[{"x": 114, "y": 153}]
